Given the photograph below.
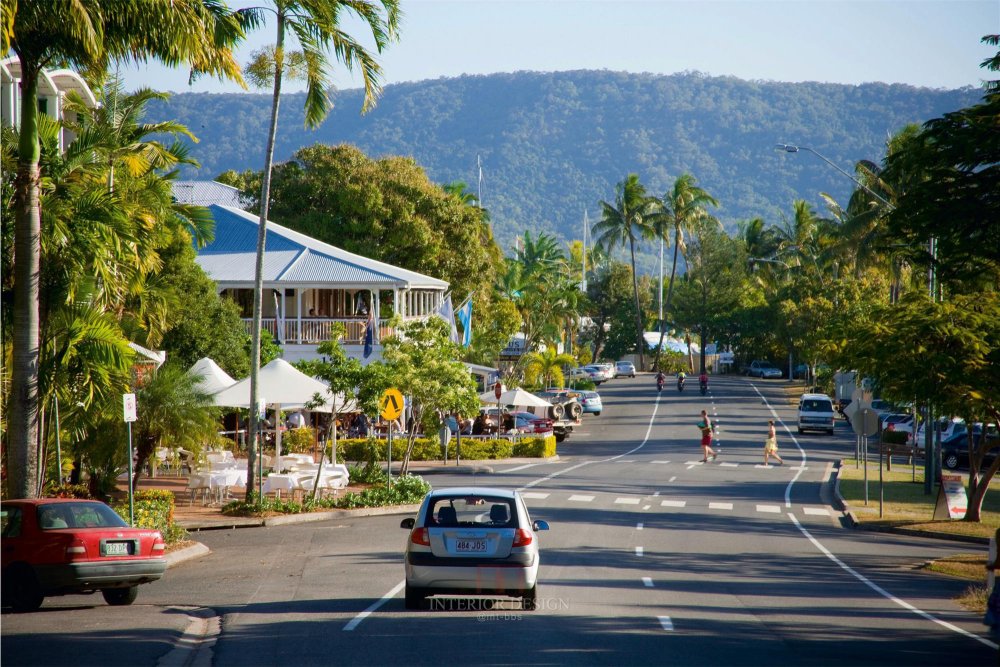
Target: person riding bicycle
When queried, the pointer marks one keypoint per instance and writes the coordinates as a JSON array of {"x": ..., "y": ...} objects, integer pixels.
[
  {"x": 703, "y": 379},
  {"x": 660, "y": 379}
]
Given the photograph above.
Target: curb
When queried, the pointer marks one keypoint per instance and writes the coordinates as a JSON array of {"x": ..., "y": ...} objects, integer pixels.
[
  {"x": 310, "y": 517},
  {"x": 181, "y": 555}
]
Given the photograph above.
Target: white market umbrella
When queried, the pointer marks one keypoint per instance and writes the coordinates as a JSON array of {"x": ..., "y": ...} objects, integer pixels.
[
  {"x": 516, "y": 397},
  {"x": 213, "y": 378}
]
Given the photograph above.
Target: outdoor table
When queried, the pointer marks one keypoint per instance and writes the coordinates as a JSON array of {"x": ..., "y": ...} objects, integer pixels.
[{"x": 278, "y": 482}]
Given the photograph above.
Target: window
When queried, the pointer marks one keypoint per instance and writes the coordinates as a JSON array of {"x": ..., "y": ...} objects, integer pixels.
[
  {"x": 472, "y": 511},
  {"x": 10, "y": 522}
]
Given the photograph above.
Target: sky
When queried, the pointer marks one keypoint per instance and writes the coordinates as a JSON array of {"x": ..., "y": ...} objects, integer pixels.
[{"x": 929, "y": 43}]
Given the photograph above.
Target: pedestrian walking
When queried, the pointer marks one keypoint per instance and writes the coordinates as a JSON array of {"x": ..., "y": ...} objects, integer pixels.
[
  {"x": 706, "y": 438},
  {"x": 771, "y": 444}
]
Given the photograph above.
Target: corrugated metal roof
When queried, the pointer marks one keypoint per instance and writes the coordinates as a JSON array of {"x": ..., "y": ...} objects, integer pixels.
[
  {"x": 206, "y": 193},
  {"x": 293, "y": 258}
]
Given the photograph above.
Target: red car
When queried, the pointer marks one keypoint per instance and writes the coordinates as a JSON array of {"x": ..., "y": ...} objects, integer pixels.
[{"x": 62, "y": 546}]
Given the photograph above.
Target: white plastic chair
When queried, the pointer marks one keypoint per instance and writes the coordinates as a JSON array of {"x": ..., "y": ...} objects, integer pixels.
[{"x": 198, "y": 483}]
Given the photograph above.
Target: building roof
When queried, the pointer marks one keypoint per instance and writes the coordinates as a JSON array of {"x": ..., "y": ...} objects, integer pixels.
[
  {"x": 206, "y": 193},
  {"x": 292, "y": 259}
]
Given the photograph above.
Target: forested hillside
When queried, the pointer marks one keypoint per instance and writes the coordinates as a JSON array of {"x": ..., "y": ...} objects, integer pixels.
[{"x": 553, "y": 144}]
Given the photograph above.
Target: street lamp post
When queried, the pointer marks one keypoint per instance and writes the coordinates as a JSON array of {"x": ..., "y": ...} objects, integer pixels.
[{"x": 791, "y": 148}]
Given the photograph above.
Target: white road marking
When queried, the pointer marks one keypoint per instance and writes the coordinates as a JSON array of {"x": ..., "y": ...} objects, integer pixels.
[
  {"x": 671, "y": 480},
  {"x": 773, "y": 509},
  {"x": 798, "y": 468},
  {"x": 661, "y": 462},
  {"x": 666, "y": 623},
  {"x": 764, "y": 465},
  {"x": 646, "y": 507},
  {"x": 356, "y": 621},
  {"x": 626, "y": 501},
  {"x": 535, "y": 494},
  {"x": 720, "y": 506},
  {"x": 816, "y": 511},
  {"x": 638, "y": 551},
  {"x": 730, "y": 465},
  {"x": 693, "y": 463},
  {"x": 647, "y": 582},
  {"x": 524, "y": 467},
  {"x": 673, "y": 503},
  {"x": 581, "y": 499},
  {"x": 656, "y": 494},
  {"x": 626, "y": 461},
  {"x": 881, "y": 591},
  {"x": 638, "y": 526}
]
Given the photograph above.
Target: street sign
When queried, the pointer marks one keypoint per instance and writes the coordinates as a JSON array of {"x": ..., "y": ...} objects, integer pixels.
[
  {"x": 952, "y": 503},
  {"x": 497, "y": 390},
  {"x": 391, "y": 404},
  {"x": 865, "y": 421},
  {"x": 129, "y": 400}
]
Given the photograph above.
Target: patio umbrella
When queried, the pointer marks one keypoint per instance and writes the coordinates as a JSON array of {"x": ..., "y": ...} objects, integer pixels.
[
  {"x": 213, "y": 379},
  {"x": 517, "y": 397}
]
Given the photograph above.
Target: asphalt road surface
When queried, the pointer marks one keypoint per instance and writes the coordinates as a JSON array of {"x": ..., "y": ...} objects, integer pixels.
[{"x": 652, "y": 558}]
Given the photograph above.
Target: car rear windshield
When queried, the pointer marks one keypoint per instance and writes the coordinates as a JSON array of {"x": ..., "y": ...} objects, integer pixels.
[
  {"x": 816, "y": 405},
  {"x": 54, "y": 516},
  {"x": 472, "y": 511}
]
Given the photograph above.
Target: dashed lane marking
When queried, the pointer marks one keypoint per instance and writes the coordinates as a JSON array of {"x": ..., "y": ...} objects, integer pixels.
[
  {"x": 626, "y": 501},
  {"x": 673, "y": 503},
  {"x": 646, "y": 507},
  {"x": 671, "y": 480},
  {"x": 647, "y": 582},
  {"x": 638, "y": 551},
  {"x": 581, "y": 499},
  {"x": 638, "y": 526},
  {"x": 666, "y": 623},
  {"x": 772, "y": 509},
  {"x": 535, "y": 494},
  {"x": 661, "y": 462},
  {"x": 730, "y": 465},
  {"x": 720, "y": 506},
  {"x": 816, "y": 511}
]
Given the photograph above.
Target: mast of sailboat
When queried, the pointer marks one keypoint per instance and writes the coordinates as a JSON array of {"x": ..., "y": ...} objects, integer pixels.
[
  {"x": 586, "y": 229},
  {"x": 480, "y": 165}
]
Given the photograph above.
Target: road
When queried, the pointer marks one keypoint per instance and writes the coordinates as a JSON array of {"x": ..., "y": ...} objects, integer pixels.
[{"x": 652, "y": 558}]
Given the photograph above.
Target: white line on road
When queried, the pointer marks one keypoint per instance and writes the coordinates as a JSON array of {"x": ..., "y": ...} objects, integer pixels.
[
  {"x": 884, "y": 593},
  {"x": 524, "y": 467},
  {"x": 666, "y": 623},
  {"x": 671, "y": 480},
  {"x": 646, "y": 507},
  {"x": 773, "y": 509},
  {"x": 656, "y": 494},
  {"x": 626, "y": 501},
  {"x": 356, "y": 621},
  {"x": 661, "y": 462},
  {"x": 638, "y": 551},
  {"x": 626, "y": 461},
  {"x": 638, "y": 526},
  {"x": 816, "y": 511},
  {"x": 720, "y": 506},
  {"x": 581, "y": 499},
  {"x": 673, "y": 503},
  {"x": 729, "y": 465},
  {"x": 647, "y": 582},
  {"x": 693, "y": 463},
  {"x": 535, "y": 494}
]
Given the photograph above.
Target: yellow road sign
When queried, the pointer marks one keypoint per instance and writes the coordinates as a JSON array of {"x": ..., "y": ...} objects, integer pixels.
[{"x": 391, "y": 404}]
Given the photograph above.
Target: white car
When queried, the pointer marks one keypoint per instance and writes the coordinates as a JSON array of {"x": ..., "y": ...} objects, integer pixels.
[
  {"x": 625, "y": 368},
  {"x": 599, "y": 373},
  {"x": 472, "y": 541}
]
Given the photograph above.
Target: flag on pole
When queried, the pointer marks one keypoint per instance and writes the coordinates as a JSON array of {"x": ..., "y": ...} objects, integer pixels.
[
  {"x": 447, "y": 313},
  {"x": 464, "y": 315},
  {"x": 480, "y": 165},
  {"x": 370, "y": 333}
]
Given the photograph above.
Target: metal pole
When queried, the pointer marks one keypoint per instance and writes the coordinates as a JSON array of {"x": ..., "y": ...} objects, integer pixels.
[
  {"x": 388, "y": 481},
  {"x": 131, "y": 501},
  {"x": 881, "y": 486},
  {"x": 864, "y": 440},
  {"x": 58, "y": 446}
]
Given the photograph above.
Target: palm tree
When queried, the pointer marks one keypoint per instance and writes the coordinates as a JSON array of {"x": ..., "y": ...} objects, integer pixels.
[
  {"x": 547, "y": 366},
  {"x": 318, "y": 26},
  {"x": 680, "y": 210},
  {"x": 621, "y": 223},
  {"x": 91, "y": 35}
]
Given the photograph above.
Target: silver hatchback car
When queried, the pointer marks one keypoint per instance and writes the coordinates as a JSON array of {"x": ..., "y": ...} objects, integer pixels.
[{"x": 472, "y": 541}]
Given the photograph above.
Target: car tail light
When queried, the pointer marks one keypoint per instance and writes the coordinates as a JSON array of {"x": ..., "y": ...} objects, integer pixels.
[
  {"x": 420, "y": 536},
  {"x": 522, "y": 538},
  {"x": 158, "y": 544},
  {"x": 76, "y": 549}
]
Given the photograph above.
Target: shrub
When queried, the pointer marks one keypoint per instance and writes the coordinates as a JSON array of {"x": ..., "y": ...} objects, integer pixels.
[
  {"x": 298, "y": 440},
  {"x": 582, "y": 384},
  {"x": 68, "y": 491},
  {"x": 535, "y": 447},
  {"x": 153, "y": 509},
  {"x": 894, "y": 437}
]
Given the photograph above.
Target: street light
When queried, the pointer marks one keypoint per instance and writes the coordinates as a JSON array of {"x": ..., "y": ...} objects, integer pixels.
[{"x": 789, "y": 148}]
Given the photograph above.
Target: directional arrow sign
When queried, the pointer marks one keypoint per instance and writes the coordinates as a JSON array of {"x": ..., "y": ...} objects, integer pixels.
[{"x": 391, "y": 404}]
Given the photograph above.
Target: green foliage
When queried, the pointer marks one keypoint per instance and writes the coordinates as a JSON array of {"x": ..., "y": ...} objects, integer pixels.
[
  {"x": 405, "y": 490},
  {"x": 373, "y": 451},
  {"x": 298, "y": 440},
  {"x": 894, "y": 437},
  {"x": 535, "y": 447},
  {"x": 67, "y": 491},
  {"x": 153, "y": 509}
]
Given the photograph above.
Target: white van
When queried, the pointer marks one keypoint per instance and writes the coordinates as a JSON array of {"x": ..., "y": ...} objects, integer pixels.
[{"x": 815, "y": 413}]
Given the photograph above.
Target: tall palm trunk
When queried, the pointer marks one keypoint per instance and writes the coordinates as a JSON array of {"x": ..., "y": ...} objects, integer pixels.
[
  {"x": 670, "y": 294},
  {"x": 22, "y": 428},
  {"x": 638, "y": 311},
  {"x": 258, "y": 288}
]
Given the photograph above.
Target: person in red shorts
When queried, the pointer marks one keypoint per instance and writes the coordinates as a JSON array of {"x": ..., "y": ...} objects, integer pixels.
[{"x": 706, "y": 437}]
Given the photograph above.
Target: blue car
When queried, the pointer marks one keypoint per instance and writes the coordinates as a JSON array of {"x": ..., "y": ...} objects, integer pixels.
[{"x": 591, "y": 402}]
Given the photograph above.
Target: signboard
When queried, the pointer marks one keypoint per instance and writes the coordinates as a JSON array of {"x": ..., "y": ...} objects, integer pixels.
[
  {"x": 391, "y": 404},
  {"x": 952, "y": 503},
  {"x": 497, "y": 390},
  {"x": 727, "y": 358},
  {"x": 864, "y": 421},
  {"x": 129, "y": 400}
]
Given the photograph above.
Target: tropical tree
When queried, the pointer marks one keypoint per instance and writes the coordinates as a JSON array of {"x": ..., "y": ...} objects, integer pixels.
[
  {"x": 623, "y": 222},
  {"x": 546, "y": 366},
  {"x": 318, "y": 26},
  {"x": 679, "y": 209},
  {"x": 91, "y": 34}
]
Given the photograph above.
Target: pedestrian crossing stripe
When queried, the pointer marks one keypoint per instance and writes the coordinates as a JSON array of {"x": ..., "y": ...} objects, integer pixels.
[
  {"x": 720, "y": 506},
  {"x": 581, "y": 499}
]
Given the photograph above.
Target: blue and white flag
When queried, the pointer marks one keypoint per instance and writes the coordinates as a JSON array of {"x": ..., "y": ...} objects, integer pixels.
[
  {"x": 370, "y": 333},
  {"x": 447, "y": 313},
  {"x": 464, "y": 315}
]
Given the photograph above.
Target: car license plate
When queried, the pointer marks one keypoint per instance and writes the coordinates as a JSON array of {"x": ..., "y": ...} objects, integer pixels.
[
  {"x": 116, "y": 548},
  {"x": 470, "y": 546}
]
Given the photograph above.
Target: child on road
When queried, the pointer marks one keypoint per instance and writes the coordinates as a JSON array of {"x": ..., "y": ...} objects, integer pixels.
[{"x": 771, "y": 444}]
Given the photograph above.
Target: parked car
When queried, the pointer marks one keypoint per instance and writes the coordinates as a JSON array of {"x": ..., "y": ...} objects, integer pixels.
[
  {"x": 62, "y": 546},
  {"x": 472, "y": 541},
  {"x": 609, "y": 368},
  {"x": 883, "y": 408},
  {"x": 580, "y": 373},
  {"x": 816, "y": 413},
  {"x": 527, "y": 422},
  {"x": 955, "y": 448},
  {"x": 591, "y": 402},
  {"x": 763, "y": 369},
  {"x": 599, "y": 373},
  {"x": 947, "y": 427},
  {"x": 625, "y": 368},
  {"x": 898, "y": 421}
]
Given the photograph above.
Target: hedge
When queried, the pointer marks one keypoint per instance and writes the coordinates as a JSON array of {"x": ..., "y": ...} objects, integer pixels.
[
  {"x": 153, "y": 509},
  {"x": 427, "y": 449}
]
